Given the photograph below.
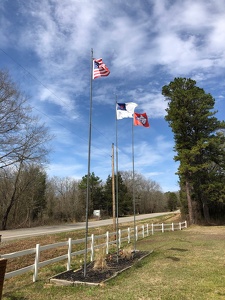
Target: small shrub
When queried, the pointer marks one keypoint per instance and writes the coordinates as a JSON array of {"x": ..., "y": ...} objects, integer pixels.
[
  {"x": 127, "y": 253},
  {"x": 100, "y": 262}
]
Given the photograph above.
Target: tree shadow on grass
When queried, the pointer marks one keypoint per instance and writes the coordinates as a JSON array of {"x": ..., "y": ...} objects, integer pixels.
[
  {"x": 179, "y": 249},
  {"x": 173, "y": 258},
  {"x": 15, "y": 297}
]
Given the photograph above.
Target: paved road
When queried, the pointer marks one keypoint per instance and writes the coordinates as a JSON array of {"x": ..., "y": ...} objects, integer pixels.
[{"x": 35, "y": 231}]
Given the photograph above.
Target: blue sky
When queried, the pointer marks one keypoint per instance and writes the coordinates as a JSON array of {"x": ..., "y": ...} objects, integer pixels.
[{"x": 46, "y": 46}]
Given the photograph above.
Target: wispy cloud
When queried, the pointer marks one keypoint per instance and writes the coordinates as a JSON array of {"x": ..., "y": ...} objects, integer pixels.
[{"x": 145, "y": 44}]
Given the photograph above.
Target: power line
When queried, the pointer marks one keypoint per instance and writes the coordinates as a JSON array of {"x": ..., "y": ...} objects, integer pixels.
[
  {"x": 53, "y": 119},
  {"x": 51, "y": 92}
]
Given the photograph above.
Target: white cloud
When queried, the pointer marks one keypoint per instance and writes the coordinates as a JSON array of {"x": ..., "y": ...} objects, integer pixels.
[{"x": 144, "y": 43}]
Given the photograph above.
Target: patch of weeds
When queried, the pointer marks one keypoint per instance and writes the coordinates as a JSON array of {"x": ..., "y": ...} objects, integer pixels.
[
  {"x": 57, "y": 269},
  {"x": 138, "y": 264},
  {"x": 14, "y": 297},
  {"x": 127, "y": 253},
  {"x": 90, "y": 291},
  {"x": 100, "y": 262}
]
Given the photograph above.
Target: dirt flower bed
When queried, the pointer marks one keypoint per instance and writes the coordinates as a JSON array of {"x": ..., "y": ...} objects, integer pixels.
[{"x": 101, "y": 270}]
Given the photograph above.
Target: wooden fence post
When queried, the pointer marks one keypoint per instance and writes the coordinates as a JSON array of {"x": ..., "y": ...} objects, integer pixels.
[
  {"x": 107, "y": 242},
  {"x": 3, "y": 263},
  {"x": 69, "y": 253},
  {"x": 119, "y": 238},
  {"x": 143, "y": 231},
  {"x": 128, "y": 235},
  {"x": 92, "y": 246},
  {"x": 36, "y": 262}
]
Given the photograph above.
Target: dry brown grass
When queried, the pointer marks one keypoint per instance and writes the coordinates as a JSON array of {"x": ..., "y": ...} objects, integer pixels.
[
  {"x": 100, "y": 261},
  {"x": 126, "y": 252},
  {"x": 187, "y": 264}
]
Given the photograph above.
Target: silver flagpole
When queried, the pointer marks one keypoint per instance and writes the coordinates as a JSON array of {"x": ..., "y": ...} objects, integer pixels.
[
  {"x": 133, "y": 186},
  {"x": 117, "y": 191},
  {"x": 89, "y": 165}
]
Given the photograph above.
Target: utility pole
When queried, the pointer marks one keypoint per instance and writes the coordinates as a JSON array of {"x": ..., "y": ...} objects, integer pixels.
[{"x": 113, "y": 192}]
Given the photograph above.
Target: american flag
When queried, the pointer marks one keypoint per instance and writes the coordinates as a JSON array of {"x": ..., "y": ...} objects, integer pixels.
[{"x": 99, "y": 69}]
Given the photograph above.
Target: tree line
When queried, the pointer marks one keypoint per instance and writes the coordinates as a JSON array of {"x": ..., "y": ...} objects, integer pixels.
[
  {"x": 38, "y": 200},
  {"x": 28, "y": 197}
]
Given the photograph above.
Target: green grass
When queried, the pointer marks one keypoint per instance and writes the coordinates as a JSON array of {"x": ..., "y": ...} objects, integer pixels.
[{"x": 185, "y": 265}]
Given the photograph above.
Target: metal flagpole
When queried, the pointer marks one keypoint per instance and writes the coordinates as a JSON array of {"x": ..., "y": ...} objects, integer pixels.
[
  {"x": 89, "y": 165},
  {"x": 133, "y": 186},
  {"x": 117, "y": 192},
  {"x": 113, "y": 191}
]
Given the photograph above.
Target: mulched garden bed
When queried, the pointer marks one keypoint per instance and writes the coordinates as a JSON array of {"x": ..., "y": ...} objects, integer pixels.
[{"x": 113, "y": 265}]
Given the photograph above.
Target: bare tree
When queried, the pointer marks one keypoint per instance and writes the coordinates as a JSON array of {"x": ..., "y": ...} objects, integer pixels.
[
  {"x": 22, "y": 194},
  {"x": 22, "y": 137},
  {"x": 23, "y": 140},
  {"x": 148, "y": 195},
  {"x": 64, "y": 201}
]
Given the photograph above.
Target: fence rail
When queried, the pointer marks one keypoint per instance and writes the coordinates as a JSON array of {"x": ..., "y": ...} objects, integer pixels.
[{"x": 108, "y": 238}]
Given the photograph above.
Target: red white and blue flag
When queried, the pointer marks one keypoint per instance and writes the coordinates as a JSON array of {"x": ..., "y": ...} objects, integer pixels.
[
  {"x": 99, "y": 68},
  {"x": 141, "y": 119},
  {"x": 125, "y": 110}
]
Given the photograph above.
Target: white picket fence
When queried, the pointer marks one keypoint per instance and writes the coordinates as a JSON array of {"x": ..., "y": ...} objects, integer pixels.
[{"x": 124, "y": 235}]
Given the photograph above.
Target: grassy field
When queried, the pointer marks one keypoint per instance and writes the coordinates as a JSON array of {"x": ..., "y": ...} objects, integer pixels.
[{"x": 184, "y": 265}]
